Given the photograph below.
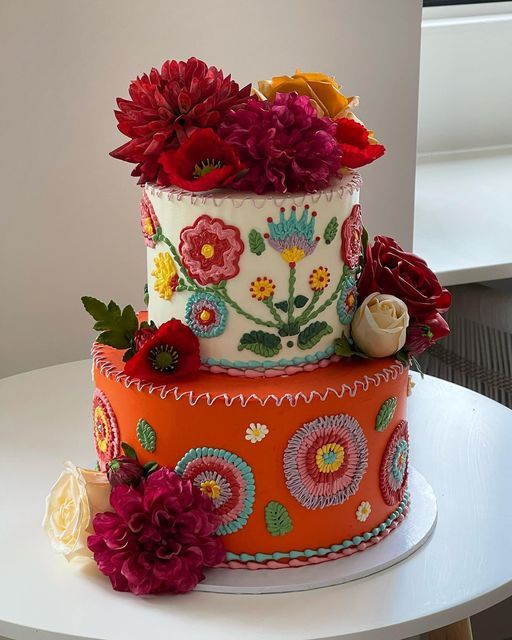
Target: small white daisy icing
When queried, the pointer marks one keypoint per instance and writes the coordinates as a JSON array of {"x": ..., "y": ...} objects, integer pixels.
[
  {"x": 363, "y": 511},
  {"x": 255, "y": 432}
]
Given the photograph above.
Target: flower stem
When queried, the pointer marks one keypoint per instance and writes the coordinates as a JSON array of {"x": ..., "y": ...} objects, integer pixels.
[
  {"x": 222, "y": 293},
  {"x": 270, "y": 304},
  {"x": 326, "y": 304},
  {"x": 291, "y": 294},
  {"x": 303, "y": 318}
]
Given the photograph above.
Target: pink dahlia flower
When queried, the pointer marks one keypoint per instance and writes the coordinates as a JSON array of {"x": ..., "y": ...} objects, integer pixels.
[
  {"x": 167, "y": 106},
  {"x": 284, "y": 144},
  {"x": 159, "y": 538}
]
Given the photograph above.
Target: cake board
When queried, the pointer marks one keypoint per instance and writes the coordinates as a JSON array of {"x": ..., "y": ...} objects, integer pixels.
[{"x": 409, "y": 536}]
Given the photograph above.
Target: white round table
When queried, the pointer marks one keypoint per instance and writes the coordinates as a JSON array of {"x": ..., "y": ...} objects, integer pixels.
[{"x": 461, "y": 442}]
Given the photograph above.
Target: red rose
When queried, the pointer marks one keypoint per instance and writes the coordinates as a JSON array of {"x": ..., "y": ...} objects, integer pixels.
[
  {"x": 356, "y": 148},
  {"x": 172, "y": 352},
  {"x": 204, "y": 161},
  {"x": 421, "y": 336},
  {"x": 390, "y": 269}
]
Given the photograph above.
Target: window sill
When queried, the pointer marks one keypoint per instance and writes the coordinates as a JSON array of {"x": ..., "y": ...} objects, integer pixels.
[{"x": 463, "y": 222}]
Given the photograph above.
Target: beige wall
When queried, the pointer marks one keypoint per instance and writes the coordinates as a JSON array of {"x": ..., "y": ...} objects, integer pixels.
[{"x": 69, "y": 213}]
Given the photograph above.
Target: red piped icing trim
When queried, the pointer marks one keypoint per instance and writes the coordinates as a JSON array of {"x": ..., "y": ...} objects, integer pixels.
[{"x": 274, "y": 564}]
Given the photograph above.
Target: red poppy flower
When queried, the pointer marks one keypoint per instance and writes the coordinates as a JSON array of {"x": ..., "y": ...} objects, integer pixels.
[
  {"x": 204, "y": 161},
  {"x": 356, "y": 148},
  {"x": 172, "y": 352}
]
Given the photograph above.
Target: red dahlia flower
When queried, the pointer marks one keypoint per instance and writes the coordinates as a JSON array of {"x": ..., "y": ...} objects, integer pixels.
[
  {"x": 202, "y": 162},
  {"x": 172, "y": 352},
  {"x": 159, "y": 537},
  {"x": 355, "y": 146},
  {"x": 167, "y": 106},
  {"x": 283, "y": 144}
]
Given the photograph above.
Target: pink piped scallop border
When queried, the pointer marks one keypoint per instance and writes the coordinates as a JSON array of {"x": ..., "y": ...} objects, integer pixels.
[
  {"x": 109, "y": 370},
  {"x": 349, "y": 183},
  {"x": 274, "y": 564},
  {"x": 272, "y": 373}
]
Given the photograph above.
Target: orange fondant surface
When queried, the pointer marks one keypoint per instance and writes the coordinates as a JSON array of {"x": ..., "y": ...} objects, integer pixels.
[{"x": 190, "y": 422}]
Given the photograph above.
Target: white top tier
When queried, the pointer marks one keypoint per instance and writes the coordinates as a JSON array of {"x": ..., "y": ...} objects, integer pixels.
[{"x": 261, "y": 280}]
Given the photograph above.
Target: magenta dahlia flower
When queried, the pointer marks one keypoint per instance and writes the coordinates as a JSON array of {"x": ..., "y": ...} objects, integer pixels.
[
  {"x": 167, "y": 106},
  {"x": 159, "y": 537},
  {"x": 283, "y": 143}
]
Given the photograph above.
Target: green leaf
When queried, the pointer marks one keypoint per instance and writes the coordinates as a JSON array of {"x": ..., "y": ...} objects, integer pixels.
[
  {"x": 282, "y": 306},
  {"x": 290, "y": 329},
  {"x": 117, "y": 328},
  {"x": 364, "y": 240},
  {"x": 128, "y": 450},
  {"x": 330, "y": 230},
  {"x": 312, "y": 334},
  {"x": 403, "y": 357},
  {"x": 277, "y": 519},
  {"x": 256, "y": 242},
  {"x": 129, "y": 353},
  {"x": 345, "y": 348},
  {"x": 417, "y": 366},
  {"x": 300, "y": 301},
  {"x": 146, "y": 294},
  {"x": 146, "y": 435},
  {"x": 149, "y": 467},
  {"x": 261, "y": 343},
  {"x": 386, "y": 413}
]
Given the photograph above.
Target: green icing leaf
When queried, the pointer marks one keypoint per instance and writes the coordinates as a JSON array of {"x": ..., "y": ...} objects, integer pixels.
[
  {"x": 256, "y": 242},
  {"x": 403, "y": 357},
  {"x": 146, "y": 435},
  {"x": 312, "y": 334},
  {"x": 146, "y": 294},
  {"x": 261, "y": 343},
  {"x": 346, "y": 348},
  {"x": 128, "y": 450},
  {"x": 386, "y": 413},
  {"x": 277, "y": 519},
  {"x": 300, "y": 301},
  {"x": 330, "y": 230},
  {"x": 282, "y": 306},
  {"x": 117, "y": 327},
  {"x": 290, "y": 329}
]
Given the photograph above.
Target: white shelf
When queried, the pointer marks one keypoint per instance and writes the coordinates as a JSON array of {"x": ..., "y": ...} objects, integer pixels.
[{"x": 463, "y": 215}]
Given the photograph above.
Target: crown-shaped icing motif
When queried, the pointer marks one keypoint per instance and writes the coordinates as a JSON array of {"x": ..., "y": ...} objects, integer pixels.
[{"x": 293, "y": 237}]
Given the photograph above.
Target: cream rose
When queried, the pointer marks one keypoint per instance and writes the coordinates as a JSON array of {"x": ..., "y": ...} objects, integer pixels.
[
  {"x": 380, "y": 324},
  {"x": 71, "y": 505}
]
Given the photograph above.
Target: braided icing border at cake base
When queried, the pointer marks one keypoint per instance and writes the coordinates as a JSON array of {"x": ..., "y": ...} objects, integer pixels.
[
  {"x": 334, "y": 555},
  {"x": 272, "y": 373}
]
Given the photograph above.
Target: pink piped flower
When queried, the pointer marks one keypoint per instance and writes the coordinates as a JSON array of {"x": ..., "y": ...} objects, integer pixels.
[
  {"x": 148, "y": 220},
  {"x": 283, "y": 144},
  {"x": 211, "y": 250},
  {"x": 351, "y": 237},
  {"x": 159, "y": 537}
]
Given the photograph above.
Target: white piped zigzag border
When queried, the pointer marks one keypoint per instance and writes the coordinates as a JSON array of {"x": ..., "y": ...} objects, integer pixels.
[
  {"x": 349, "y": 183},
  {"x": 109, "y": 370}
]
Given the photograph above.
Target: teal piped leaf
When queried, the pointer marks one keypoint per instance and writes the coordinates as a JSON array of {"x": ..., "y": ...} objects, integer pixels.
[
  {"x": 277, "y": 519},
  {"x": 282, "y": 306},
  {"x": 256, "y": 242},
  {"x": 312, "y": 334},
  {"x": 117, "y": 327},
  {"x": 300, "y": 301},
  {"x": 386, "y": 413},
  {"x": 146, "y": 435},
  {"x": 128, "y": 450},
  {"x": 261, "y": 343},
  {"x": 330, "y": 230}
]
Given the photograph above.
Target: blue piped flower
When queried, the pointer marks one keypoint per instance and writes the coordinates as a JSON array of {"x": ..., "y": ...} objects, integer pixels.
[
  {"x": 347, "y": 301},
  {"x": 206, "y": 314},
  {"x": 293, "y": 236}
]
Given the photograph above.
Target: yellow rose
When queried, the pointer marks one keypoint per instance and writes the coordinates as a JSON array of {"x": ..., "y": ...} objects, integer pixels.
[
  {"x": 380, "y": 324},
  {"x": 71, "y": 505},
  {"x": 323, "y": 91}
]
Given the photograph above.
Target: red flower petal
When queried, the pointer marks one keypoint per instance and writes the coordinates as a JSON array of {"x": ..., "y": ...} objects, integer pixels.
[{"x": 356, "y": 149}]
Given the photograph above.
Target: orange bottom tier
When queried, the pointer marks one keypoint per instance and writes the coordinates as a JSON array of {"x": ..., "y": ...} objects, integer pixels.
[{"x": 303, "y": 468}]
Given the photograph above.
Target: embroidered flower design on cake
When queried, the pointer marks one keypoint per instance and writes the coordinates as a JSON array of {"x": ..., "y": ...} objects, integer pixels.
[
  {"x": 148, "y": 220},
  {"x": 363, "y": 511},
  {"x": 206, "y": 314},
  {"x": 226, "y": 479},
  {"x": 255, "y": 432},
  {"x": 166, "y": 276},
  {"x": 351, "y": 236},
  {"x": 106, "y": 431},
  {"x": 262, "y": 289},
  {"x": 395, "y": 465},
  {"x": 293, "y": 237},
  {"x": 211, "y": 250},
  {"x": 325, "y": 461},
  {"x": 319, "y": 279},
  {"x": 347, "y": 300}
]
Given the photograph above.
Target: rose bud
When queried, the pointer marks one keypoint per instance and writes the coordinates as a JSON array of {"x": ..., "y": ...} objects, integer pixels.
[
  {"x": 380, "y": 324},
  {"x": 142, "y": 335},
  {"x": 124, "y": 470}
]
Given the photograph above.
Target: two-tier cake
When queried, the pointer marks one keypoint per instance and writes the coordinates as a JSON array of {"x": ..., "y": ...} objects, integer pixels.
[{"x": 255, "y": 415}]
